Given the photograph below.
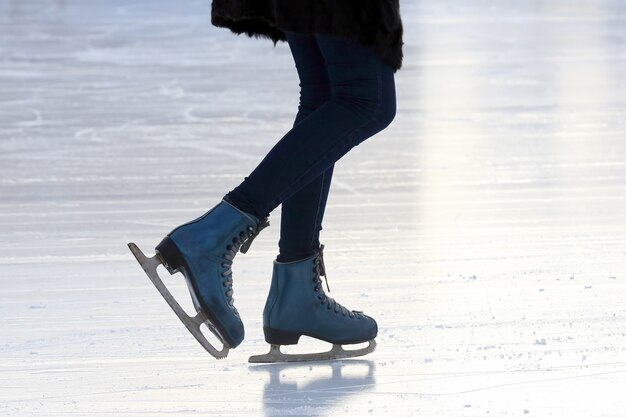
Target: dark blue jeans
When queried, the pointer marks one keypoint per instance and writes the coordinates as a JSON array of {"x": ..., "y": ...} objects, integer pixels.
[{"x": 347, "y": 94}]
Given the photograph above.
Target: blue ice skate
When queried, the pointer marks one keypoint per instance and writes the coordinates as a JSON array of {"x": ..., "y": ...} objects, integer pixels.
[
  {"x": 203, "y": 250},
  {"x": 297, "y": 306}
]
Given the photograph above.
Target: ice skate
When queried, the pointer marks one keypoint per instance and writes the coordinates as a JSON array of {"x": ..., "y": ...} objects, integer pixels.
[
  {"x": 297, "y": 306},
  {"x": 203, "y": 250}
]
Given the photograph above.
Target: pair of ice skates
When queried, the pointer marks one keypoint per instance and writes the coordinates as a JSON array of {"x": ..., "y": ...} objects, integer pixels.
[{"x": 204, "y": 249}]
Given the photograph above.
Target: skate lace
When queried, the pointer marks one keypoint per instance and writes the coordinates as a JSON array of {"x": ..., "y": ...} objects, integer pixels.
[
  {"x": 320, "y": 269},
  {"x": 240, "y": 243}
]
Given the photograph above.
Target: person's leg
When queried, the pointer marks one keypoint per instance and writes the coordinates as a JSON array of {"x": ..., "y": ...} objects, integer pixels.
[
  {"x": 363, "y": 103},
  {"x": 301, "y": 219},
  {"x": 302, "y": 213}
]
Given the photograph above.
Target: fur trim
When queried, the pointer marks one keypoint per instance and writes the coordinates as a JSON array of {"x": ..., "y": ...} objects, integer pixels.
[{"x": 374, "y": 23}]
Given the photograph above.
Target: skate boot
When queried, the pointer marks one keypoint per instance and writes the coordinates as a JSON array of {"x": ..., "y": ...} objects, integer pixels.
[
  {"x": 297, "y": 306},
  {"x": 203, "y": 250}
]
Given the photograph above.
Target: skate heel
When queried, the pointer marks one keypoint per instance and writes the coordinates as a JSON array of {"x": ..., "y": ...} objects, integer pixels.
[
  {"x": 168, "y": 252},
  {"x": 280, "y": 337}
]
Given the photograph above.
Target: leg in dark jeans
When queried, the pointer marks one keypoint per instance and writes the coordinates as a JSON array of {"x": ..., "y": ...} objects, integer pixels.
[
  {"x": 302, "y": 213},
  {"x": 362, "y": 103}
]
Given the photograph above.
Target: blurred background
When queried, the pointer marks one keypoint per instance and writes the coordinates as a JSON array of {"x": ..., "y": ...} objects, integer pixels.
[{"x": 485, "y": 229}]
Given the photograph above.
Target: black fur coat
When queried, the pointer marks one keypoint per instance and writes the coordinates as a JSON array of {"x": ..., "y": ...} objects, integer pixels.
[{"x": 374, "y": 23}]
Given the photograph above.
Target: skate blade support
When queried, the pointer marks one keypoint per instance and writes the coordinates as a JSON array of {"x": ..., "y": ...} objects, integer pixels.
[
  {"x": 149, "y": 265},
  {"x": 337, "y": 352}
]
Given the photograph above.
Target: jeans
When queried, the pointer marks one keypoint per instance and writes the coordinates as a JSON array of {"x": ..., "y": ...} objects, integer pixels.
[{"x": 347, "y": 94}]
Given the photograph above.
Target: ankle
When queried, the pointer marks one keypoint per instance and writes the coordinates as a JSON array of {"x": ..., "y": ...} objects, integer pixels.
[
  {"x": 256, "y": 218},
  {"x": 293, "y": 257}
]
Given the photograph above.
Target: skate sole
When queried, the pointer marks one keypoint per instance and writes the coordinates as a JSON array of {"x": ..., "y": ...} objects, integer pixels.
[
  {"x": 149, "y": 265},
  {"x": 337, "y": 352}
]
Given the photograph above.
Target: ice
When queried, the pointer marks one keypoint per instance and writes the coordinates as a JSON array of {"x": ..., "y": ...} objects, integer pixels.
[{"x": 485, "y": 229}]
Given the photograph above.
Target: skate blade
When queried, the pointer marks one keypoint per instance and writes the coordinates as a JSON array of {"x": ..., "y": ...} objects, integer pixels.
[
  {"x": 192, "y": 324},
  {"x": 337, "y": 352}
]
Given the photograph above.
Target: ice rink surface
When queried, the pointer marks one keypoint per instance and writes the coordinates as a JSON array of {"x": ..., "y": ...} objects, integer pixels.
[{"x": 485, "y": 229}]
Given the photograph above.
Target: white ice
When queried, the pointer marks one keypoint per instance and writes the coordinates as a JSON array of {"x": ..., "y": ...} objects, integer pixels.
[{"x": 485, "y": 229}]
